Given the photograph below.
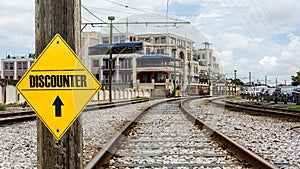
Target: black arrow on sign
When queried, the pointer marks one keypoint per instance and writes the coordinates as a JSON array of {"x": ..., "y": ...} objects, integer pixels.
[{"x": 57, "y": 103}]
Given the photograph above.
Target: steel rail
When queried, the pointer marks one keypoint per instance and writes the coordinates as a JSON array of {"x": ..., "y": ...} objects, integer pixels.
[
  {"x": 109, "y": 149},
  {"x": 258, "y": 109},
  {"x": 29, "y": 115},
  {"x": 239, "y": 151}
]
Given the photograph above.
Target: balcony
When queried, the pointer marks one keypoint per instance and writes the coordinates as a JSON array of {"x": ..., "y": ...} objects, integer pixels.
[{"x": 157, "y": 61}]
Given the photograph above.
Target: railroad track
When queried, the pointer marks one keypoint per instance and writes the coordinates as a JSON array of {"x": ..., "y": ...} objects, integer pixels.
[
  {"x": 257, "y": 109},
  {"x": 22, "y": 116},
  {"x": 14, "y": 117},
  {"x": 167, "y": 136}
]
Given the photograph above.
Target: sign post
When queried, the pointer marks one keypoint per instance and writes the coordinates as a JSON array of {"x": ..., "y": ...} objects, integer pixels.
[
  {"x": 59, "y": 143},
  {"x": 58, "y": 90}
]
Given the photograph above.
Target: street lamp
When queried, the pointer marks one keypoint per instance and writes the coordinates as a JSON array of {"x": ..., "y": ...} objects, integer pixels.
[
  {"x": 235, "y": 82},
  {"x": 250, "y": 79},
  {"x": 209, "y": 84},
  {"x": 174, "y": 77},
  {"x": 111, "y": 18}
]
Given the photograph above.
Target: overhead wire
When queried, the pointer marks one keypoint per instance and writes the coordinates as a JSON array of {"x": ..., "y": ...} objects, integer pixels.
[
  {"x": 111, "y": 10},
  {"x": 249, "y": 28},
  {"x": 103, "y": 21},
  {"x": 262, "y": 26},
  {"x": 236, "y": 17},
  {"x": 251, "y": 31},
  {"x": 141, "y": 10},
  {"x": 270, "y": 34},
  {"x": 274, "y": 26}
]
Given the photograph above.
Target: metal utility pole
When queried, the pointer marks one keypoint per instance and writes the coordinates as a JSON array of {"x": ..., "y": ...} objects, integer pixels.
[
  {"x": 174, "y": 78},
  {"x": 250, "y": 78},
  {"x": 209, "y": 84},
  {"x": 58, "y": 17},
  {"x": 111, "y": 18},
  {"x": 266, "y": 80},
  {"x": 189, "y": 65},
  {"x": 235, "y": 82}
]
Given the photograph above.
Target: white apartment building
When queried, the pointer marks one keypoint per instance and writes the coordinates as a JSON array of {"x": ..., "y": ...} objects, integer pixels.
[
  {"x": 13, "y": 67},
  {"x": 163, "y": 46}
]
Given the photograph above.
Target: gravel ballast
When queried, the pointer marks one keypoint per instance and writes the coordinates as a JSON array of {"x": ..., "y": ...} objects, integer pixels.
[
  {"x": 18, "y": 144},
  {"x": 273, "y": 138}
]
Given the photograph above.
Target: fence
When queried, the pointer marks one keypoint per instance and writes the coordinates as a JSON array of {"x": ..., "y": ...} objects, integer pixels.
[{"x": 12, "y": 96}]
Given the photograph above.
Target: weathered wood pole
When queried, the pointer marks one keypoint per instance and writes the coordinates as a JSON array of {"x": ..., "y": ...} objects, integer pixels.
[{"x": 62, "y": 17}]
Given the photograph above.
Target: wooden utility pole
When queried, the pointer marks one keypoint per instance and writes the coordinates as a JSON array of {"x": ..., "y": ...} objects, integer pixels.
[{"x": 62, "y": 17}]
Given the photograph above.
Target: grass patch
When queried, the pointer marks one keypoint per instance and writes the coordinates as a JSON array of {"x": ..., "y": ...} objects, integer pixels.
[
  {"x": 234, "y": 98},
  {"x": 264, "y": 105},
  {"x": 2, "y": 107},
  {"x": 294, "y": 107},
  {"x": 245, "y": 102},
  {"x": 277, "y": 106}
]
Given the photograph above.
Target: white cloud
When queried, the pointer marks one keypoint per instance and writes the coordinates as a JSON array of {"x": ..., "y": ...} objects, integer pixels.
[
  {"x": 234, "y": 41},
  {"x": 268, "y": 61},
  {"x": 209, "y": 15}
]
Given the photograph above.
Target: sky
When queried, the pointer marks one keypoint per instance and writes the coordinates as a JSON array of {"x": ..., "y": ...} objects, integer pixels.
[{"x": 257, "y": 36}]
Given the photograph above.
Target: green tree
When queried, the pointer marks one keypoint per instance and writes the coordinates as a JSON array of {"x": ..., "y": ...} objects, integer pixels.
[
  {"x": 237, "y": 82},
  {"x": 296, "y": 79}
]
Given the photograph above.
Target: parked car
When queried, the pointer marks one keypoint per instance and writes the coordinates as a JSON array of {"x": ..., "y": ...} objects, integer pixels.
[
  {"x": 286, "y": 91},
  {"x": 268, "y": 95},
  {"x": 296, "y": 94},
  {"x": 257, "y": 91},
  {"x": 276, "y": 94}
]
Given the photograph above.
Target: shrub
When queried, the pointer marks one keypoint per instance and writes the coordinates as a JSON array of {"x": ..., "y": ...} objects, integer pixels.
[{"x": 2, "y": 107}]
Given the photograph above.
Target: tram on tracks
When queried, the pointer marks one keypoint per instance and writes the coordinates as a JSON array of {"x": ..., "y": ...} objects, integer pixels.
[{"x": 198, "y": 89}]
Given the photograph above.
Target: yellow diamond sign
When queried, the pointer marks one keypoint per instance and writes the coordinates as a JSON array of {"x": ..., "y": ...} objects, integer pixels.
[{"x": 58, "y": 86}]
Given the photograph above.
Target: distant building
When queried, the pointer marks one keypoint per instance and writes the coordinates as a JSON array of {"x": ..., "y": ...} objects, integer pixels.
[
  {"x": 13, "y": 67},
  {"x": 207, "y": 62},
  {"x": 88, "y": 39},
  {"x": 147, "y": 61}
]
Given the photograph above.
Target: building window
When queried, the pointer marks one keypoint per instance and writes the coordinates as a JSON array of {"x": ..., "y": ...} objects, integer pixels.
[
  {"x": 189, "y": 55},
  {"x": 157, "y": 41},
  {"x": 105, "y": 64},
  {"x": 105, "y": 40},
  {"x": 163, "y": 40},
  {"x": 25, "y": 65},
  {"x": 125, "y": 63},
  {"x": 6, "y": 66},
  {"x": 19, "y": 65},
  {"x": 160, "y": 51},
  {"x": 173, "y": 41},
  {"x": 148, "y": 51},
  {"x": 95, "y": 63},
  {"x": 116, "y": 39},
  {"x": 11, "y": 66},
  {"x": 189, "y": 45},
  {"x": 122, "y": 39}
]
